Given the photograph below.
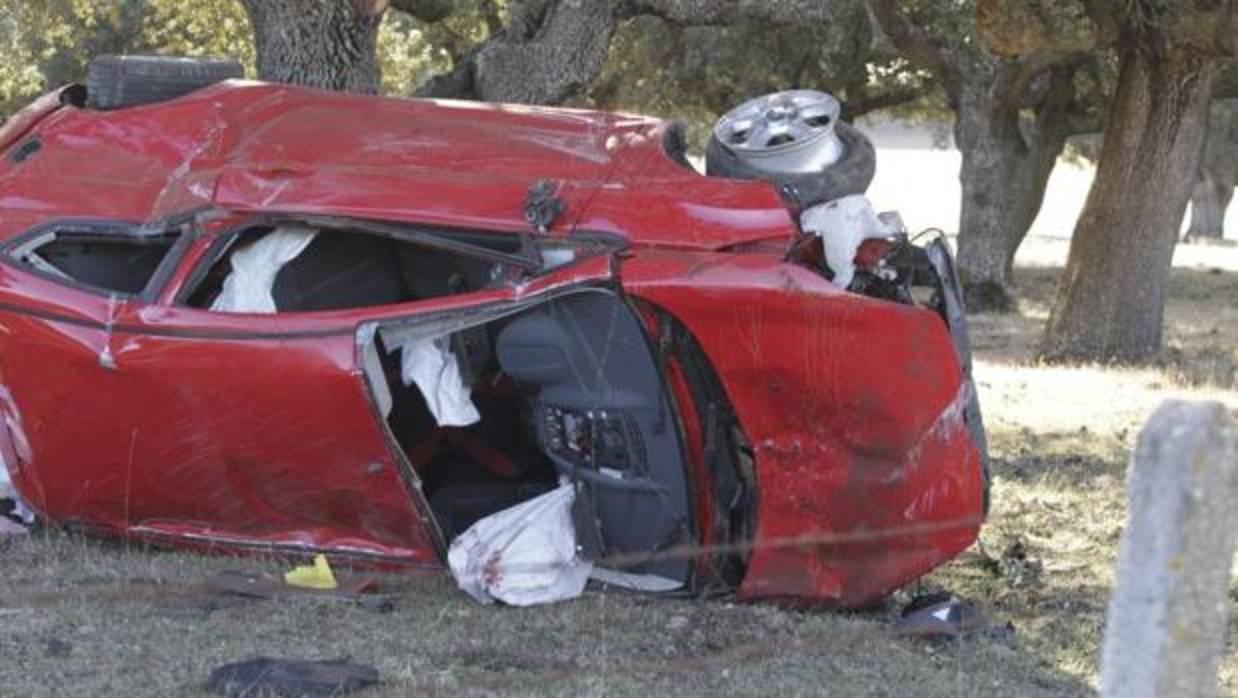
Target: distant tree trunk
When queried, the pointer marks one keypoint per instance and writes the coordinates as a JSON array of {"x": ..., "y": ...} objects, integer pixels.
[
  {"x": 1004, "y": 176},
  {"x": 1110, "y": 304},
  {"x": 1209, "y": 203},
  {"x": 328, "y": 44},
  {"x": 1013, "y": 113}
]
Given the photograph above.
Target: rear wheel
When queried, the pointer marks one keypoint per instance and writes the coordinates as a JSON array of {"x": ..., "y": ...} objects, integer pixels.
[{"x": 116, "y": 82}]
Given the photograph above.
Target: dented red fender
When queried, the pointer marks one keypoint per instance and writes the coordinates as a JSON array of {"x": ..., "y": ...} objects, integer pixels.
[{"x": 867, "y": 477}]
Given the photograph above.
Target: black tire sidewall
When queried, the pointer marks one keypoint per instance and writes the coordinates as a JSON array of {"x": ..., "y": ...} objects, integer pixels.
[{"x": 852, "y": 174}]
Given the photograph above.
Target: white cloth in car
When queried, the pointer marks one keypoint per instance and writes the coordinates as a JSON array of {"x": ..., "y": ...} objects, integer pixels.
[
  {"x": 524, "y": 555},
  {"x": 843, "y": 224},
  {"x": 248, "y": 288},
  {"x": 433, "y": 366}
]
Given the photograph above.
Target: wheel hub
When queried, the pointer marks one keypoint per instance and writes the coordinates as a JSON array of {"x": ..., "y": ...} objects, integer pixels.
[{"x": 789, "y": 131}]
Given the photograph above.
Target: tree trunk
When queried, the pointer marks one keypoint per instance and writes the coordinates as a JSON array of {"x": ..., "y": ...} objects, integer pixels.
[
  {"x": 1004, "y": 176},
  {"x": 1110, "y": 304},
  {"x": 328, "y": 44},
  {"x": 1209, "y": 202},
  {"x": 551, "y": 50}
]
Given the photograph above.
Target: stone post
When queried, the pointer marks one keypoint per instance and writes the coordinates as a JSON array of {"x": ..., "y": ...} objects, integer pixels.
[{"x": 1168, "y": 613}]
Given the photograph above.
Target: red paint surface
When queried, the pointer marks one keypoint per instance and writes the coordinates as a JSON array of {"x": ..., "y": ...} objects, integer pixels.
[
  {"x": 151, "y": 420},
  {"x": 867, "y": 476},
  {"x": 258, "y": 147}
]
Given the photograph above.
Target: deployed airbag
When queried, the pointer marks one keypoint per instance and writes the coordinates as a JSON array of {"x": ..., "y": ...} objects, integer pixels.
[
  {"x": 842, "y": 225},
  {"x": 434, "y": 367},
  {"x": 522, "y": 556},
  {"x": 247, "y": 289}
]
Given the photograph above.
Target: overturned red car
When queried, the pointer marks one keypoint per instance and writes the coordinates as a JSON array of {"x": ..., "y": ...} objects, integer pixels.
[{"x": 255, "y": 317}]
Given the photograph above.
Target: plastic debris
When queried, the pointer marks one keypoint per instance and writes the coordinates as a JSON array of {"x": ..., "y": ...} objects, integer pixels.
[
  {"x": 290, "y": 677},
  {"x": 522, "y": 556},
  {"x": 941, "y": 618},
  {"x": 636, "y": 582},
  {"x": 316, "y": 576}
]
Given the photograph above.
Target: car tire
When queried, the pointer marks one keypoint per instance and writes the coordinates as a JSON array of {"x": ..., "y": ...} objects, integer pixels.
[
  {"x": 117, "y": 82},
  {"x": 851, "y": 174}
]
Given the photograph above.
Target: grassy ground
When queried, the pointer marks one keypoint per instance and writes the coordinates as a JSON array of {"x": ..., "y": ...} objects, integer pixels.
[{"x": 79, "y": 617}]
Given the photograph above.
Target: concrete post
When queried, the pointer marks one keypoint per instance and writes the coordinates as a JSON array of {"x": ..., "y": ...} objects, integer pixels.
[{"x": 1168, "y": 613}]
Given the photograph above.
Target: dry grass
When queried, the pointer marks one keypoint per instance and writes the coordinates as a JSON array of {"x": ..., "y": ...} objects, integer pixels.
[{"x": 79, "y": 617}]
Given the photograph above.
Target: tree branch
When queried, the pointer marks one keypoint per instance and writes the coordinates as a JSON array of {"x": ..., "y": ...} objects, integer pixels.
[
  {"x": 425, "y": 10},
  {"x": 864, "y": 103},
  {"x": 550, "y": 51},
  {"x": 728, "y": 11},
  {"x": 1042, "y": 27},
  {"x": 914, "y": 43}
]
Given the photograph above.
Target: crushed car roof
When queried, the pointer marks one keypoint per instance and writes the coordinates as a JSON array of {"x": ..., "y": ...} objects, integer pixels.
[{"x": 264, "y": 147}]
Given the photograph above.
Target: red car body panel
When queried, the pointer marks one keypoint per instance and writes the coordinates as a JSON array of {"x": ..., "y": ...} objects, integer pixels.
[
  {"x": 257, "y": 147},
  {"x": 853, "y": 407},
  {"x": 139, "y": 417}
]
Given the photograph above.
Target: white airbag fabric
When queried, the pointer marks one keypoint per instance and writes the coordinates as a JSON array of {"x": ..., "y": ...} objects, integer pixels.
[
  {"x": 254, "y": 268},
  {"x": 433, "y": 366},
  {"x": 522, "y": 556},
  {"x": 843, "y": 224}
]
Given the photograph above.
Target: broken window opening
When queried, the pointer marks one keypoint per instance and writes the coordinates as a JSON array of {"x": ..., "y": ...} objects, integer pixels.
[
  {"x": 468, "y": 471},
  {"x": 111, "y": 262},
  {"x": 303, "y": 267}
]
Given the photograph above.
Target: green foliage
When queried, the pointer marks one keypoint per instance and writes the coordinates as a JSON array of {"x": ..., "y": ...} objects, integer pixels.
[
  {"x": 47, "y": 43},
  {"x": 697, "y": 73},
  {"x": 411, "y": 52}
]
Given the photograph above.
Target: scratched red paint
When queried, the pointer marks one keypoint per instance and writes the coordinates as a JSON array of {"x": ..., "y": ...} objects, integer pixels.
[{"x": 254, "y": 432}]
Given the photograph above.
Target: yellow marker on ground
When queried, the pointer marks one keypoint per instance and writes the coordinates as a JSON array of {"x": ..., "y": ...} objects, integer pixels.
[{"x": 316, "y": 576}]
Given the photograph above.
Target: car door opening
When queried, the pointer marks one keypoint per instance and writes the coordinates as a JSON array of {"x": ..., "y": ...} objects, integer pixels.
[
  {"x": 499, "y": 408},
  {"x": 568, "y": 388}
]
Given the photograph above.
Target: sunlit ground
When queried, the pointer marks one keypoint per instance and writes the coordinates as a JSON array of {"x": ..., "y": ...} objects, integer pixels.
[{"x": 1061, "y": 437}]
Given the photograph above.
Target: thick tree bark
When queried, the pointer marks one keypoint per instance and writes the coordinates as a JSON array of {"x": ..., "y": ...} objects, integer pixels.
[
  {"x": 1111, "y": 301},
  {"x": 1007, "y": 158},
  {"x": 701, "y": 12},
  {"x": 328, "y": 44},
  {"x": 550, "y": 50},
  {"x": 1006, "y": 169}
]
